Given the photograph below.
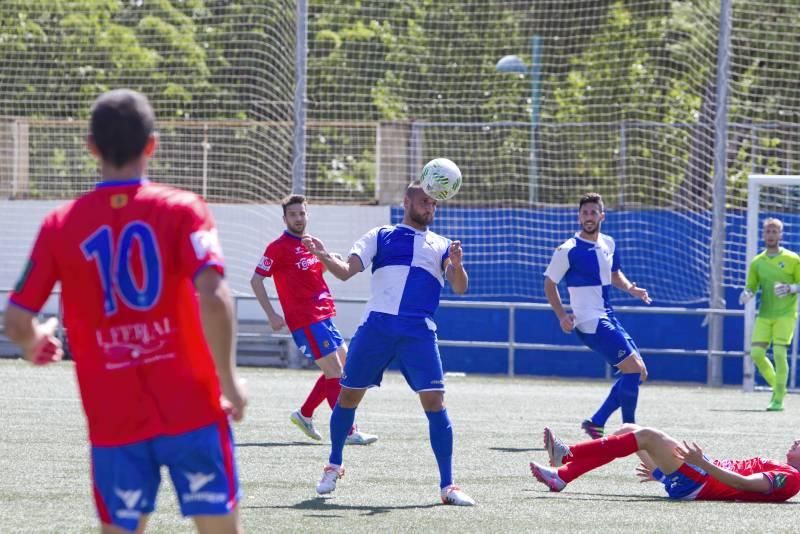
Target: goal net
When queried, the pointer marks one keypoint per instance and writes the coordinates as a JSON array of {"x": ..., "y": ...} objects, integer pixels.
[{"x": 537, "y": 102}]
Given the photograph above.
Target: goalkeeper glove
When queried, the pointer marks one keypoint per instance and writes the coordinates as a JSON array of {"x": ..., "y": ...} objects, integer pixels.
[
  {"x": 745, "y": 297},
  {"x": 782, "y": 290}
]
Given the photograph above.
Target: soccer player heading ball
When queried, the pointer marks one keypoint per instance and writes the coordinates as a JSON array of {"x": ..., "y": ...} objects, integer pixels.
[
  {"x": 776, "y": 271},
  {"x": 150, "y": 322},
  {"x": 410, "y": 264}
]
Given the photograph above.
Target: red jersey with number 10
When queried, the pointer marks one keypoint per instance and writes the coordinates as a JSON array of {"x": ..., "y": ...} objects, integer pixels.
[
  {"x": 126, "y": 255},
  {"x": 304, "y": 295}
]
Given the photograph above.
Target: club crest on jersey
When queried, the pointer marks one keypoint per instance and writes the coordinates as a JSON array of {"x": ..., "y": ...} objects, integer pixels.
[
  {"x": 206, "y": 243},
  {"x": 781, "y": 264},
  {"x": 119, "y": 200}
]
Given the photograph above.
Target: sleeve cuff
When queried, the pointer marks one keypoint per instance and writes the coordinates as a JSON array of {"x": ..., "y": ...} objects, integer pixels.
[{"x": 28, "y": 309}]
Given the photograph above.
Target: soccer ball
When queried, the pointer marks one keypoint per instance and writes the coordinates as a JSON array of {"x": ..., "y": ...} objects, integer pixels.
[{"x": 440, "y": 178}]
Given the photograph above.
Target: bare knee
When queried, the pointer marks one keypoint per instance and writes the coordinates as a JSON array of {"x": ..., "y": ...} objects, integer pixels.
[
  {"x": 633, "y": 364},
  {"x": 646, "y": 437},
  {"x": 432, "y": 401},
  {"x": 330, "y": 365},
  {"x": 626, "y": 428},
  {"x": 350, "y": 398}
]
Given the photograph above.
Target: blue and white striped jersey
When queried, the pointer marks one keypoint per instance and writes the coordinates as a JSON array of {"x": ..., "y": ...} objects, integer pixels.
[
  {"x": 407, "y": 274},
  {"x": 586, "y": 266}
]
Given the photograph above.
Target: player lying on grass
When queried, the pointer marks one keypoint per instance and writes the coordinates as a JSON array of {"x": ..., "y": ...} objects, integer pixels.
[{"x": 684, "y": 470}]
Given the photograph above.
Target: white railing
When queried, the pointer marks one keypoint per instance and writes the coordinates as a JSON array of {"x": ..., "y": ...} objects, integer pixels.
[{"x": 511, "y": 345}]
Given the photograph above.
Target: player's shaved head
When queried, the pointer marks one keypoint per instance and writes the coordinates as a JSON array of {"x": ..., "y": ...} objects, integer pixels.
[
  {"x": 414, "y": 188},
  {"x": 419, "y": 207},
  {"x": 120, "y": 125}
]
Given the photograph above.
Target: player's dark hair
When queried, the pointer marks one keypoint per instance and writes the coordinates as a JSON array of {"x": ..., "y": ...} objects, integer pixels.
[
  {"x": 592, "y": 198},
  {"x": 120, "y": 124},
  {"x": 292, "y": 199}
]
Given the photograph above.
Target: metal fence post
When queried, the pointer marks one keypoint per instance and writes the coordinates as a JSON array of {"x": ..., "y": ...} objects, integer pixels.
[
  {"x": 300, "y": 56},
  {"x": 717, "y": 274},
  {"x": 511, "y": 339}
]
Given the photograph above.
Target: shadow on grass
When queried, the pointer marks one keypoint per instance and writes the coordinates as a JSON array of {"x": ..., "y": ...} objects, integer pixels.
[
  {"x": 741, "y": 410},
  {"x": 279, "y": 444},
  {"x": 322, "y": 504},
  {"x": 516, "y": 449},
  {"x": 610, "y": 497}
]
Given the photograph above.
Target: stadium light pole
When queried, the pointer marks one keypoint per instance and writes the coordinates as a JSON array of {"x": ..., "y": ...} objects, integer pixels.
[{"x": 515, "y": 65}]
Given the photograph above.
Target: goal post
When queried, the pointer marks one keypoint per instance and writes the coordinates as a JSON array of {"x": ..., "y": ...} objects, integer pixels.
[{"x": 756, "y": 212}]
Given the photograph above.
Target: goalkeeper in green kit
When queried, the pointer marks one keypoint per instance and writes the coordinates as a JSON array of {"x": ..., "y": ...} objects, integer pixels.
[{"x": 777, "y": 272}]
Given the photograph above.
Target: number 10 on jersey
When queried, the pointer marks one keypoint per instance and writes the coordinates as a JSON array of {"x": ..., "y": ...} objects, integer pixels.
[{"x": 113, "y": 261}]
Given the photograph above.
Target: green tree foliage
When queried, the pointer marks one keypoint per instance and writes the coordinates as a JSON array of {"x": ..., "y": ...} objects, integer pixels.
[
  {"x": 70, "y": 50},
  {"x": 627, "y": 88}
]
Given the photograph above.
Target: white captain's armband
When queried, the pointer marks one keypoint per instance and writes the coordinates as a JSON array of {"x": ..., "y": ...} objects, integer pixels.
[
  {"x": 265, "y": 264},
  {"x": 206, "y": 243}
]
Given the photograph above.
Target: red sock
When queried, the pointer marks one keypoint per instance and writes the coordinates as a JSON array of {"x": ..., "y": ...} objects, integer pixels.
[
  {"x": 332, "y": 389},
  {"x": 315, "y": 398},
  {"x": 592, "y": 454}
]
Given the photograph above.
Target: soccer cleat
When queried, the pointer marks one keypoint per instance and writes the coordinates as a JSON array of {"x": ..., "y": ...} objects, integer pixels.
[
  {"x": 452, "y": 494},
  {"x": 548, "y": 477},
  {"x": 775, "y": 406},
  {"x": 557, "y": 450},
  {"x": 306, "y": 425},
  {"x": 357, "y": 437},
  {"x": 330, "y": 475},
  {"x": 594, "y": 431}
]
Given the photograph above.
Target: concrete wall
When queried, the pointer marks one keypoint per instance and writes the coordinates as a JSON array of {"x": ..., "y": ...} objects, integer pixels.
[{"x": 245, "y": 231}]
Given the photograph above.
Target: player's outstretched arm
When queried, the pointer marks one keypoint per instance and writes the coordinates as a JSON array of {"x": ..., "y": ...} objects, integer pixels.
[
  {"x": 216, "y": 309},
  {"x": 454, "y": 270},
  {"x": 37, "y": 340},
  {"x": 338, "y": 267},
  {"x": 692, "y": 454}
]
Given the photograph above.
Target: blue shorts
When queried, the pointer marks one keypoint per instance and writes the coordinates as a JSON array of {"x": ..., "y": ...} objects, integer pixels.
[
  {"x": 609, "y": 339},
  {"x": 201, "y": 465},
  {"x": 317, "y": 340},
  {"x": 685, "y": 483},
  {"x": 384, "y": 337}
]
